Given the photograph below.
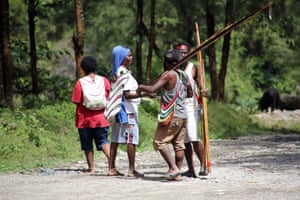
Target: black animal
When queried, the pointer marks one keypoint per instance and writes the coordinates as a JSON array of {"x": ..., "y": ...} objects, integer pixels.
[{"x": 270, "y": 98}]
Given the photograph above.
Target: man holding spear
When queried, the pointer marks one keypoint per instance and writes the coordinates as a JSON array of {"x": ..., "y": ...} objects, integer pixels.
[
  {"x": 193, "y": 110},
  {"x": 212, "y": 39}
]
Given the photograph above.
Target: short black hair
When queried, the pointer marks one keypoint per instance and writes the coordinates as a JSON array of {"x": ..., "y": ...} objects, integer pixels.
[
  {"x": 182, "y": 43},
  {"x": 89, "y": 64}
]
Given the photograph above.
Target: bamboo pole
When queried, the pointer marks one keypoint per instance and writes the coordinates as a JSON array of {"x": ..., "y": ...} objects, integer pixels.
[{"x": 201, "y": 77}]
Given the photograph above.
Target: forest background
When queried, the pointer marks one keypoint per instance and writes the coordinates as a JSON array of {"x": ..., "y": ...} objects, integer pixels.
[{"x": 38, "y": 80}]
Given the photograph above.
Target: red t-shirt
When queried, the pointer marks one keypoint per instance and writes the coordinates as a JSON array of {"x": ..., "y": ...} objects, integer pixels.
[{"x": 86, "y": 118}]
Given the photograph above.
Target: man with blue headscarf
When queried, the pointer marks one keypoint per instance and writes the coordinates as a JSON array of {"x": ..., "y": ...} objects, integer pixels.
[{"x": 125, "y": 129}]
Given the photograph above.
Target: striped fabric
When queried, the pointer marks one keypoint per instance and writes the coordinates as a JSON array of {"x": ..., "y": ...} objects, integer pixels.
[
  {"x": 167, "y": 111},
  {"x": 115, "y": 97}
]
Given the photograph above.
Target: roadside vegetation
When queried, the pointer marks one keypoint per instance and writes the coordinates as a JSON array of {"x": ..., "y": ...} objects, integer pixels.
[{"x": 46, "y": 136}]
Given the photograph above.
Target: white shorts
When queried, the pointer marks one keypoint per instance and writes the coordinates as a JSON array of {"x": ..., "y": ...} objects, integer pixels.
[
  {"x": 127, "y": 133},
  {"x": 192, "y": 125}
]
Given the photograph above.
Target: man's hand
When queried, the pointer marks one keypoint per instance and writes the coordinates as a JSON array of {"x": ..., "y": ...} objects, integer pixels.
[
  {"x": 151, "y": 94},
  {"x": 204, "y": 92},
  {"x": 142, "y": 93}
]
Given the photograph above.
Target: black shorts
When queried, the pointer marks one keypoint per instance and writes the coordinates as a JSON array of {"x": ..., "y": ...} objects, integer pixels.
[{"x": 88, "y": 135}]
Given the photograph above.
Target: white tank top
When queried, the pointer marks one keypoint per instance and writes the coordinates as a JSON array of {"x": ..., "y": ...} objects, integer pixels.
[{"x": 191, "y": 103}]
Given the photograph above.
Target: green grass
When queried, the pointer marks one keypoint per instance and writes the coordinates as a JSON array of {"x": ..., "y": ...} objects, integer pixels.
[
  {"x": 47, "y": 136},
  {"x": 279, "y": 125},
  {"x": 226, "y": 121},
  {"x": 38, "y": 137}
]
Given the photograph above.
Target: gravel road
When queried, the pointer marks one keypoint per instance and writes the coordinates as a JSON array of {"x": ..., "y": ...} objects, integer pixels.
[{"x": 252, "y": 167}]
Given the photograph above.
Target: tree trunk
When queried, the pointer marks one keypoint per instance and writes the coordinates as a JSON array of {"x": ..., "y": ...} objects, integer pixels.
[
  {"x": 78, "y": 38},
  {"x": 33, "y": 57},
  {"x": 2, "y": 97},
  {"x": 139, "y": 33},
  {"x": 225, "y": 52},
  {"x": 155, "y": 46},
  {"x": 151, "y": 42},
  {"x": 210, "y": 20},
  {"x": 6, "y": 56}
]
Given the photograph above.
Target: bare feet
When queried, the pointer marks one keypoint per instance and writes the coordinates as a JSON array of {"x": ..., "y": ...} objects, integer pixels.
[
  {"x": 135, "y": 174},
  {"x": 114, "y": 172},
  {"x": 89, "y": 171}
]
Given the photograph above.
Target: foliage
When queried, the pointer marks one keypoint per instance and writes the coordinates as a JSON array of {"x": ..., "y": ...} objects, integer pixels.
[
  {"x": 263, "y": 52},
  {"x": 262, "y": 55},
  {"x": 44, "y": 137},
  {"x": 148, "y": 111},
  {"x": 18, "y": 19},
  {"x": 53, "y": 89},
  {"x": 38, "y": 137}
]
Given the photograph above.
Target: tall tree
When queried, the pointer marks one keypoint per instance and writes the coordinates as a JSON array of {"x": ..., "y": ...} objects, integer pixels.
[
  {"x": 2, "y": 98},
  {"x": 151, "y": 40},
  {"x": 33, "y": 57},
  {"x": 210, "y": 23},
  {"x": 6, "y": 84},
  {"x": 139, "y": 38},
  {"x": 225, "y": 52},
  {"x": 187, "y": 15},
  {"x": 78, "y": 37}
]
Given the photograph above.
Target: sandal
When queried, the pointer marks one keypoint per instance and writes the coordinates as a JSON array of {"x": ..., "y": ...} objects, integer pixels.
[
  {"x": 189, "y": 174},
  {"x": 172, "y": 176},
  {"x": 203, "y": 172}
]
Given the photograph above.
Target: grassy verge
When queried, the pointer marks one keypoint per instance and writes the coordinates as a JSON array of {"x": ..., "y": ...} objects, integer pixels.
[
  {"x": 47, "y": 136},
  {"x": 38, "y": 137}
]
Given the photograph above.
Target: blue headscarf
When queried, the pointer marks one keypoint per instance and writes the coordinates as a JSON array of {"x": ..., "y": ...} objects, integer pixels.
[{"x": 119, "y": 53}]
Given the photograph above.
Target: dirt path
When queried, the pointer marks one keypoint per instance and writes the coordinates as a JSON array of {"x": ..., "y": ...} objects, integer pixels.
[{"x": 256, "y": 167}]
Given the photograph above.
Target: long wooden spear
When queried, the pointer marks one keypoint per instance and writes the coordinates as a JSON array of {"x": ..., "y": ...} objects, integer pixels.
[
  {"x": 201, "y": 77},
  {"x": 212, "y": 39}
]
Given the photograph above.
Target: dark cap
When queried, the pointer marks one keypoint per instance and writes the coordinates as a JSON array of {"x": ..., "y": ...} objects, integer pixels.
[{"x": 172, "y": 55}]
